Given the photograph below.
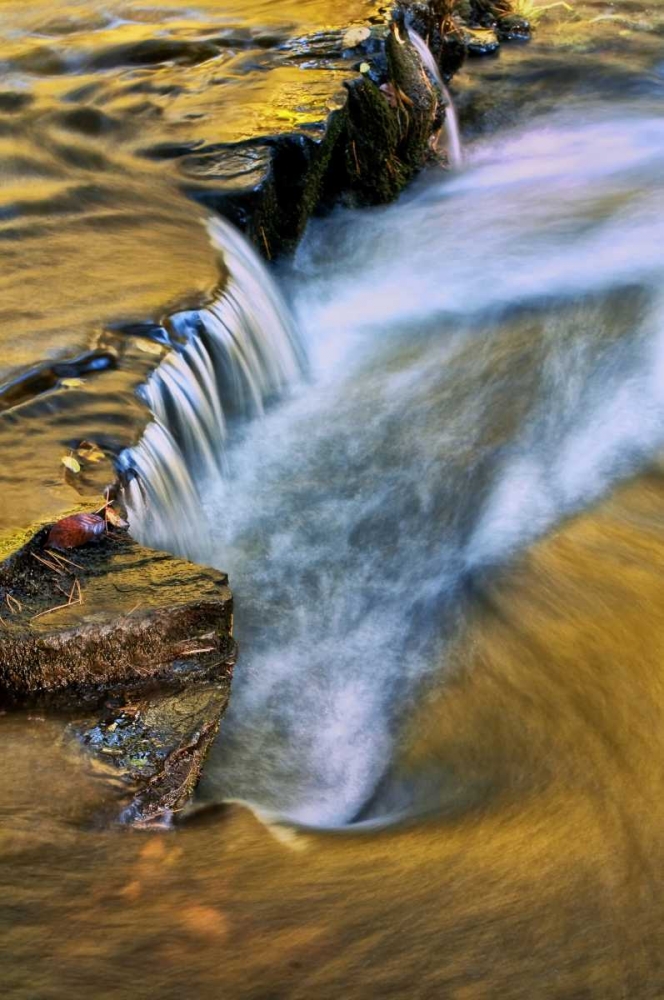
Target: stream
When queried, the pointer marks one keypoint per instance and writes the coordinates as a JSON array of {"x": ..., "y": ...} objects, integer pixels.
[{"x": 441, "y": 508}]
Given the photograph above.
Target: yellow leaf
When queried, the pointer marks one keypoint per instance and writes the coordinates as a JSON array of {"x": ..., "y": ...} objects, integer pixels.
[
  {"x": 364, "y": 67},
  {"x": 72, "y": 383},
  {"x": 70, "y": 463},
  {"x": 149, "y": 347}
]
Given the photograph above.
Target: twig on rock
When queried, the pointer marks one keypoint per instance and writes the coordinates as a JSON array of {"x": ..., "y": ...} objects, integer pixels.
[
  {"x": 12, "y": 603},
  {"x": 62, "y": 559},
  {"x": 71, "y": 600},
  {"x": 49, "y": 565}
]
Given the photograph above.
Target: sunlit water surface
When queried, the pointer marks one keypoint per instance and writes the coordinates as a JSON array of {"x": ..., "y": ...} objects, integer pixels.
[{"x": 441, "y": 771}]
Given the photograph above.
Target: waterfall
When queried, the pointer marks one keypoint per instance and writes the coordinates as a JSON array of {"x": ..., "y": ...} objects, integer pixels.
[
  {"x": 452, "y": 133},
  {"x": 448, "y": 421},
  {"x": 229, "y": 360}
]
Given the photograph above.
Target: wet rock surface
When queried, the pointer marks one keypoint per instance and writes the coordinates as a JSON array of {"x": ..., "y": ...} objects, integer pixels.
[
  {"x": 143, "y": 637},
  {"x": 329, "y": 133},
  {"x": 108, "y": 616},
  {"x": 481, "y": 41},
  {"x": 155, "y": 746},
  {"x": 513, "y": 28}
]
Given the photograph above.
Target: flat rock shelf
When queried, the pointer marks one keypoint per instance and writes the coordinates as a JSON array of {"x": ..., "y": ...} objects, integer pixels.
[{"x": 139, "y": 640}]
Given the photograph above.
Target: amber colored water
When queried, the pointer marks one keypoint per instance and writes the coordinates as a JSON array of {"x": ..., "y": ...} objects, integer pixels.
[
  {"x": 544, "y": 883},
  {"x": 96, "y": 233},
  {"x": 512, "y": 842}
]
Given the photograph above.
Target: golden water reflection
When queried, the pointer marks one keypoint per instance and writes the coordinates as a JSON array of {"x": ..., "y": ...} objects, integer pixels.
[
  {"x": 540, "y": 879},
  {"x": 548, "y": 886}
]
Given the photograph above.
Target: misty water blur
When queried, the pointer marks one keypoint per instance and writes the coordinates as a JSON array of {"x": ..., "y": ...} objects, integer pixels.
[{"x": 484, "y": 362}]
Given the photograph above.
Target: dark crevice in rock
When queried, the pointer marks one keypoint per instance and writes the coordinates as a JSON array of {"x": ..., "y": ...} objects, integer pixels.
[{"x": 42, "y": 378}]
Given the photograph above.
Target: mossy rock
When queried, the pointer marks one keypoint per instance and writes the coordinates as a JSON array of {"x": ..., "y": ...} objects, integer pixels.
[{"x": 155, "y": 747}]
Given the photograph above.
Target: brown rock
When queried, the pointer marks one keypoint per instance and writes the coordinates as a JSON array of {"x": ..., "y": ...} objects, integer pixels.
[{"x": 113, "y": 615}]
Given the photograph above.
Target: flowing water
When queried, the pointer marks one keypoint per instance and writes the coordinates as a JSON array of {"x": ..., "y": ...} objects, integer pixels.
[
  {"x": 434, "y": 475},
  {"x": 452, "y": 136}
]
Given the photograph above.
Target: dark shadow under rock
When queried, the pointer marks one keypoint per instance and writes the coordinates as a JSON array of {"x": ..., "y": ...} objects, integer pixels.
[{"x": 344, "y": 115}]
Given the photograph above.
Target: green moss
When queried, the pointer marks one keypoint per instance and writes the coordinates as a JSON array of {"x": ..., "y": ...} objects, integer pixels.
[
  {"x": 374, "y": 132},
  {"x": 407, "y": 74}
]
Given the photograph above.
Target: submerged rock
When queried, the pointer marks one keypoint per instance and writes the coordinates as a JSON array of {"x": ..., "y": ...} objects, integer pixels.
[{"x": 156, "y": 746}]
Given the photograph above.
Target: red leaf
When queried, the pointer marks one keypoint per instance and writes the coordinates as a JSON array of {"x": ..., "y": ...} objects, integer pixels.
[{"x": 76, "y": 530}]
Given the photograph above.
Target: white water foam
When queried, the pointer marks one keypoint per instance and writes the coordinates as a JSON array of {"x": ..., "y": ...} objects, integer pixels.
[
  {"x": 444, "y": 428},
  {"x": 239, "y": 353}
]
